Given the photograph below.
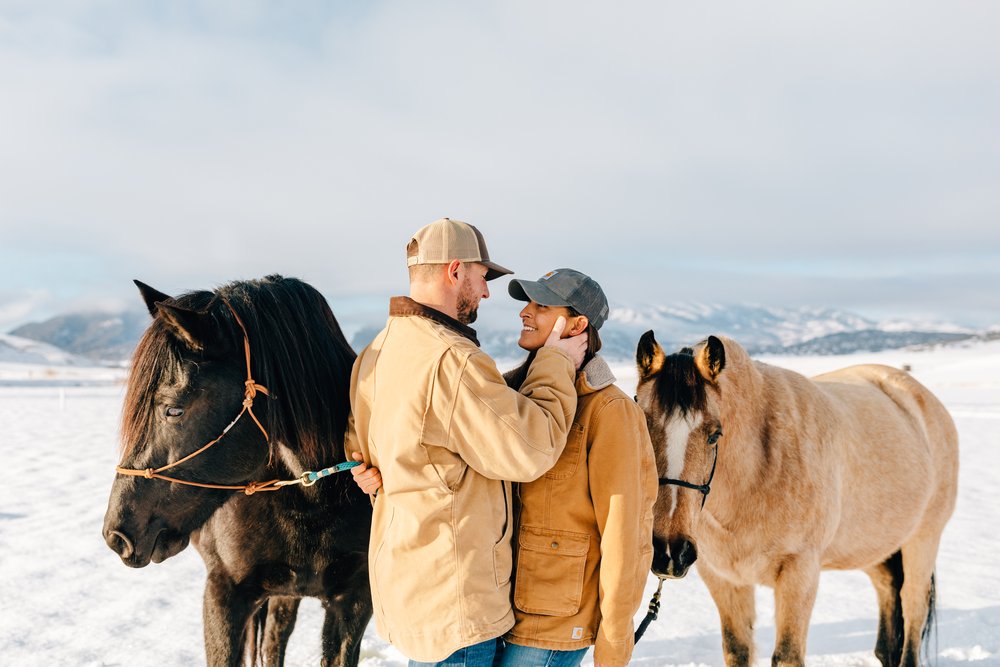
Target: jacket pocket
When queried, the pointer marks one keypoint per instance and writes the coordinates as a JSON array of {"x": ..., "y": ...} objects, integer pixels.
[
  {"x": 567, "y": 464},
  {"x": 378, "y": 568},
  {"x": 503, "y": 550},
  {"x": 550, "y": 568}
]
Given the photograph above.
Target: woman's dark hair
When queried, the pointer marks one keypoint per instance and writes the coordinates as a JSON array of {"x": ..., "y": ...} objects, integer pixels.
[{"x": 515, "y": 378}]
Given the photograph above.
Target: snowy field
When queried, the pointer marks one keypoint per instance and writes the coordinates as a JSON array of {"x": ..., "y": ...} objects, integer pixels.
[{"x": 66, "y": 599}]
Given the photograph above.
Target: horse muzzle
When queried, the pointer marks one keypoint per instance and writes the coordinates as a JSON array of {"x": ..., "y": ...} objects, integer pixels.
[
  {"x": 673, "y": 559},
  {"x": 155, "y": 546}
]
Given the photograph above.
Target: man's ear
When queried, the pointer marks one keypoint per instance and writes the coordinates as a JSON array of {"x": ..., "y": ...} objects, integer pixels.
[
  {"x": 579, "y": 326},
  {"x": 452, "y": 272}
]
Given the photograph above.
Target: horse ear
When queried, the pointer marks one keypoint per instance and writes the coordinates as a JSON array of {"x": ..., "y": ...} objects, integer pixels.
[
  {"x": 192, "y": 327},
  {"x": 150, "y": 296},
  {"x": 649, "y": 356},
  {"x": 712, "y": 359}
]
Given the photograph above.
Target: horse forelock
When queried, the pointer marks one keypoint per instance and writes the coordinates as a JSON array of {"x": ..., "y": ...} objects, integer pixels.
[
  {"x": 680, "y": 387},
  {"x": 158, "y": 359}
]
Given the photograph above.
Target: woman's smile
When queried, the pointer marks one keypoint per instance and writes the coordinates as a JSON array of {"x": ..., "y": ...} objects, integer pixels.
[{"x": 537, "y": 322}]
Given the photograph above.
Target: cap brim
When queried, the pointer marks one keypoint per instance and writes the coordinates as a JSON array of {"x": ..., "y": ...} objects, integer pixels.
[
  {"x": 529, "y": 290},
  {"x": 495, "y": 270}
]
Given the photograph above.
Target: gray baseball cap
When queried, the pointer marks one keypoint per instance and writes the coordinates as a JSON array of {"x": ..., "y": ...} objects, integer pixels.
[{"x": 564, "y": 287}]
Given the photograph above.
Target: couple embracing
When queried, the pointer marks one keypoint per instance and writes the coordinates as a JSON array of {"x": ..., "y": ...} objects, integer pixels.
[{"x": 466, "y": 568}]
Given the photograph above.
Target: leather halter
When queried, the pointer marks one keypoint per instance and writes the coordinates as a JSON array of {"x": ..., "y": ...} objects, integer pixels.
[
  {"x": 703, "y": 488},
  {"x": 250, "y": 392}
]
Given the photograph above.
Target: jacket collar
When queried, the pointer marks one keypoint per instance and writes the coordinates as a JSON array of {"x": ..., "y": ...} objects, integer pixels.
[
  {"x": 596, "y": 375},
  {"x": 404, "y": 306}
]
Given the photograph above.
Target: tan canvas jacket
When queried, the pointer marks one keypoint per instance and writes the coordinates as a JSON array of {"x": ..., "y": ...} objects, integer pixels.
[
  {"x": 432, "y": 412},
  {"x": 585, "y": 529}
]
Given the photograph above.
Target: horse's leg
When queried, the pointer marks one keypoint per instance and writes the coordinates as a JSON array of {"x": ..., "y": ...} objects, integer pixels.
[
  {"x": 917, "y": 594},
  {"x": 226, "y": 612},
  {"x": 737, "y": 612},
  {"x": 343, "y": 627},
  {"x": 281, "y": 613},
  {"x": 887, "y": 578},
  {"x": 794, "y": 596},
  {"x": 348, "y": 609}
]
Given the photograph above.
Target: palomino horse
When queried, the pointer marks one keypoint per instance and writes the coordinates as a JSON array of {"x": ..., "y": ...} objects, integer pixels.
[
  {"x": 270, "y": 353},
  {"x": 855, "y": 469}
]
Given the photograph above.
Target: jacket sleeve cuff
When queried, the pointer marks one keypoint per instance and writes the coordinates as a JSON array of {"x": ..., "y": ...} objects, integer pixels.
[{"x": 608, "y": 652}]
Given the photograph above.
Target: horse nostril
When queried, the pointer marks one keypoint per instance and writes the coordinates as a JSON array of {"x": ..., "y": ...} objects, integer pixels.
[
  {"x": 684, "y": 553},
  {"x": 119, "y": 543},
  {"x": 661, "y": 556}
]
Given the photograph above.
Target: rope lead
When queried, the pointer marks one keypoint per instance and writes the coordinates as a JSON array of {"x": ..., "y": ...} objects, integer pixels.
[{"x": 651, "y": 615}]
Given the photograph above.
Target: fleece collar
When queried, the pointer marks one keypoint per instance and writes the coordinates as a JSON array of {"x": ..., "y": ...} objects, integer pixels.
[{"x": 596, "y": 375}]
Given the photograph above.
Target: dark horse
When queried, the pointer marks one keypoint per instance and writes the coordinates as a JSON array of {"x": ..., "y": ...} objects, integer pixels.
[{"x": 271, "y": 352}]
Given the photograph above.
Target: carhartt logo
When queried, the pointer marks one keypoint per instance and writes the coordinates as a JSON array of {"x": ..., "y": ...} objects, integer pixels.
[
  {"x": 578, "y": 633},
  {"x": 548, "y": 275}
]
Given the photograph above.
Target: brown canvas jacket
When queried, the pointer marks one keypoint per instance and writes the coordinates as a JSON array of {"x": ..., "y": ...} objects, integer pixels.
[
  {"x": 432, "y": 412},
  {"x": 585, "y": 529}
]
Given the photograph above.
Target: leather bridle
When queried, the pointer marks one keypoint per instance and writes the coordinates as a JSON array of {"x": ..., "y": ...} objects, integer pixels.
[{"x": 252, "y": 388}]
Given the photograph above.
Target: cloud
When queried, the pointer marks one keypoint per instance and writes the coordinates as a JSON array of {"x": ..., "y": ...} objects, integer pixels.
[
  {"x": 196, "y": 143},
  {"x": 15, "y": 308}
]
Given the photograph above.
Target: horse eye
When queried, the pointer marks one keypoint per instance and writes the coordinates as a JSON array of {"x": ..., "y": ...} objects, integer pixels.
[
  {"x": 714, "y": 438},
  {"x": 174, "y": 412}
]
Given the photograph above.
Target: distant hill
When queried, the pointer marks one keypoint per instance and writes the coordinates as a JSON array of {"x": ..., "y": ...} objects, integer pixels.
[
  {"x": 95, "y": 336},
  {"x": 809, "y": 331},
  {"x": 14, "y": 349},
  {"x": 761, "y": 329},
  {"x": 868, "y": 340}
]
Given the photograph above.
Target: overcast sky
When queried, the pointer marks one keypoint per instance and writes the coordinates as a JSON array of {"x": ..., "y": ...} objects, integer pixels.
[{"x": 842, "y": 153}]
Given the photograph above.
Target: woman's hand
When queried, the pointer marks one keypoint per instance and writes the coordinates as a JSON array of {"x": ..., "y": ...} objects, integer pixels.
[
  {"x": 368, "y": 479},
  {"x": 574, "y": 346}
]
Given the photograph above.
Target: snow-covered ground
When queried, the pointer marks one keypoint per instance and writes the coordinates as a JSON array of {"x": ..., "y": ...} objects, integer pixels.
[{"x": 66, "y": 599}]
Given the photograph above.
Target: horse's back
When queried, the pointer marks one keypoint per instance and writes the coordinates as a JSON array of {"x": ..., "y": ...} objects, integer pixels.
[
  {"x": 887, "y": 392},
  {"x": 900, "y": 442}
]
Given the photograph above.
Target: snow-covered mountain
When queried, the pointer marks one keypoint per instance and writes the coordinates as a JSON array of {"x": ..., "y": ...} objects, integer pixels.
[
  {"x": 762, "y": 329},
  {"x": 769, "y": 329},
  {"x": 18, "y": 350},
  {"x": 97, "y": 336}
]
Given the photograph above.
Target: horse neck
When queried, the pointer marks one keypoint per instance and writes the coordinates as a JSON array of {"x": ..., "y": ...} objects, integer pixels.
[
  {"x": 287, "y": 460},
  {"x": 742, "y": 459},
  {"x": 286, "y": 464}
]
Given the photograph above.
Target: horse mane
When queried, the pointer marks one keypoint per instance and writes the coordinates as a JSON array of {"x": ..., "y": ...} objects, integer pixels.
[
  {"x": 679, "y": 385},
  {"x": 297, "y": 351}
]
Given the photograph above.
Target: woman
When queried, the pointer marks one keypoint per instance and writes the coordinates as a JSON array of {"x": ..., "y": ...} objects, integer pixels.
[{"x": 584, "y": 540}]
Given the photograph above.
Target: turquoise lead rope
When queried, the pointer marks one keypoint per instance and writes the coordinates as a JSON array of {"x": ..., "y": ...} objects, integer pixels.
[
  {"x": 313, "y": 477},
  {"x": 308, "y": 478}
]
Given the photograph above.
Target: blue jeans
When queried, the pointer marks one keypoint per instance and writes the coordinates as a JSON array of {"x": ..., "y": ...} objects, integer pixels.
[
  {"x": 527, "y": 656},
  {"x": 477, "y": 655}
]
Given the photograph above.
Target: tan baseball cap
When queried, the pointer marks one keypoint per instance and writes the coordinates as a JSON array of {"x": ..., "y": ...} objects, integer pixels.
[{"x": 445, "y": 240}]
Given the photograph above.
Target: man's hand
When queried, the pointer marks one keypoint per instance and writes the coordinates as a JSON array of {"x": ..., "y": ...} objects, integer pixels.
[
  {"x": 368, "y": 479},
  {"x": 575, "y": 346}
]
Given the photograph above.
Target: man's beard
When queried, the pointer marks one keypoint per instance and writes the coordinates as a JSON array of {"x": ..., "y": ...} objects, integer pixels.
[{"x": 468, "y": 305}]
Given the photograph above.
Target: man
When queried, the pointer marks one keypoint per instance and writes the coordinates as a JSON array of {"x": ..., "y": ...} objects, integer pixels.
[{"x": 431, "y": 411}]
